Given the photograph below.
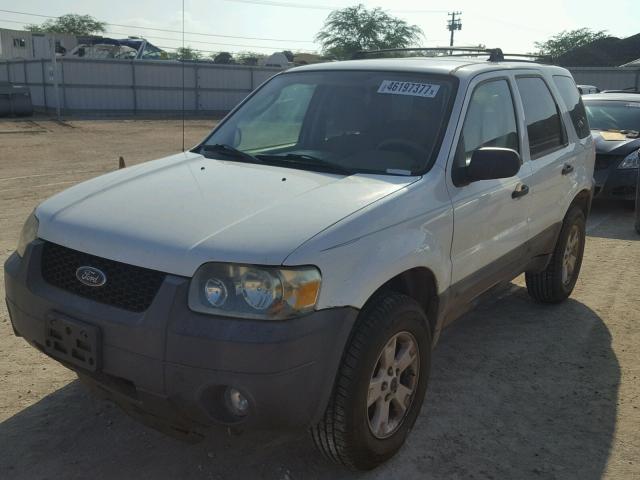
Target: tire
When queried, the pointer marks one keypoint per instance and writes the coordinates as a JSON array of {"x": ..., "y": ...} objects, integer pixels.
[
  {"x": 554, "y": 284},
  {"x": 345, "y": 435}
]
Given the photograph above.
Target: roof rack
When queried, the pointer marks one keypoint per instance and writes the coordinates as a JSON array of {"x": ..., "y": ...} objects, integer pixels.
[{"x": 495, "y": 54}]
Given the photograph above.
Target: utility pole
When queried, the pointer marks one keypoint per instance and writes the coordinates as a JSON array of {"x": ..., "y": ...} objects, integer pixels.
[
  {"x": 53, "y": 74},
  {"x": 454, "y": 24}
]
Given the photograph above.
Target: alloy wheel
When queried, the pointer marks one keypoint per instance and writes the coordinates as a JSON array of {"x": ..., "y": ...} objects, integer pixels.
[
  {"x": 571, "y": 253},
  {"x": 393, "y": 384}
]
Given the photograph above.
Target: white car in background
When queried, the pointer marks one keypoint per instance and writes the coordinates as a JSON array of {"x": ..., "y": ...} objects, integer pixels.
[{"x": 587, "y": 89}]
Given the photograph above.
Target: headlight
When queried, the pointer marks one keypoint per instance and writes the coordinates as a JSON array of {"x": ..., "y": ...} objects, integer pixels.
[
  {"x": 631, "y": 161},
  {"x": 249, "y": 291},
  {"x": 28, "y": 234}
]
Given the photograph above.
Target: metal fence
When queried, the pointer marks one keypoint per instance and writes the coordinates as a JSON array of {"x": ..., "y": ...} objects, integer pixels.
[
  {"x": 139, "y": 87},
  {"x": 122, "y": 87}
]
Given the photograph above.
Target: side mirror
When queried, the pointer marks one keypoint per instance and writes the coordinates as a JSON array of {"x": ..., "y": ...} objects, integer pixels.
[{"x": 489, "y": 163}]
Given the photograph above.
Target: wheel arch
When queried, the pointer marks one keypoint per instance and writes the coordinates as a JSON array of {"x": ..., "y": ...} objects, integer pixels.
[
  {"x": 418, "y": 283},
  {"x": 583, "y": 201}
]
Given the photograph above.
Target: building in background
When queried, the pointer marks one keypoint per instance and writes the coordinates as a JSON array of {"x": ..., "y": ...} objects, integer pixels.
[
  {"x": 25, "y": 45},
  {"x": 21, "y": 44},
  {"x": 605, "y": 52}
]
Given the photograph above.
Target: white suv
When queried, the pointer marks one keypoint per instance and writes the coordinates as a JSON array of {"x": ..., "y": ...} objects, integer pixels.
[{"x": 296, "y": 268}]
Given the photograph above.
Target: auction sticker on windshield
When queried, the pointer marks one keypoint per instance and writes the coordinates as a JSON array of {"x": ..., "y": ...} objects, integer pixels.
[{"x": 427, "y": 90}]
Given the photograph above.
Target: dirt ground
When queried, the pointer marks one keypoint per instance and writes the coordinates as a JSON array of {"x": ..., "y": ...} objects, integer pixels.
[{"x": 518, "y": 390}]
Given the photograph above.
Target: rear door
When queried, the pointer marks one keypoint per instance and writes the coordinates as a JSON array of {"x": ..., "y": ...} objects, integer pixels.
[
  {"x": 490, "y": 222},
  {"x": 576, "y": 116},
  {"x": 551, "y": 155}
]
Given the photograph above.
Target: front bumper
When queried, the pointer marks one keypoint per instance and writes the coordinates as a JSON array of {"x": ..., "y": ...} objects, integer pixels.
[
  {"x": 170, "y": 366},
  {"x": 613, "y": 182}
]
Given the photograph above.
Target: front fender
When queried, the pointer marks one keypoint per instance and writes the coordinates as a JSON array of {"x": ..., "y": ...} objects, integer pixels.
[{"x": 410, "y": 228}]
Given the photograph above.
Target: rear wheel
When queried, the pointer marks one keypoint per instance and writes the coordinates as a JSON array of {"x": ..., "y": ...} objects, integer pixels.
[
  {"x": 380, "y": 384},
  {"x": 556, "y": 282}
]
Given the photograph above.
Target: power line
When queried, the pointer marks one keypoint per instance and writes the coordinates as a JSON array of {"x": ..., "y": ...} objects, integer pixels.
[
  {"x": 202, "y": 42},
  {"x": 219, "y": 44},
  {"x": 189, "y": 41},
  {"x": 13, "y": 21},
  {"x": 167, "y": 30},
  {"x": 511, "y": 24},
  {"x": 274, "y": 3}
]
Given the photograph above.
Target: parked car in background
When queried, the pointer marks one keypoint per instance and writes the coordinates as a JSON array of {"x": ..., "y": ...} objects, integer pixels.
[
  {"x": 638, "y": 204},
  {"x": 587, "y": 89},
  {"x": 302, "y": 260},
  {"x": 614, "y": 119},
  {"x": 15, "y": 100},
  {"x": 623, "y": 90}
]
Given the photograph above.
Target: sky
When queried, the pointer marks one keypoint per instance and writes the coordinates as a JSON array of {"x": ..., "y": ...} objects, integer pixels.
[{"x": 267, "y": 26}]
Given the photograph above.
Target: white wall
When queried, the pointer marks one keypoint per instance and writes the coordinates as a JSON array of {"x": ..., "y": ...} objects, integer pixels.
[{"x": 99, "y": 87}]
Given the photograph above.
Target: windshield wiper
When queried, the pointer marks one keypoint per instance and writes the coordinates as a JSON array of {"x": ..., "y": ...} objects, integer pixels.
[
  {"x": 230, "y": 151},
  {"x": 305, "y": 160}
]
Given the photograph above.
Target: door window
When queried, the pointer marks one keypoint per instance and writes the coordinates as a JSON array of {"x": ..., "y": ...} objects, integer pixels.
[
  {"x": 490, "y": 122},
  {"x": 544, "y": 126}
]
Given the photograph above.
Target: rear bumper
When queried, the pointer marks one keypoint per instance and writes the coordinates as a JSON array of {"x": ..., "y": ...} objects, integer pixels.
[{"x": 170, "y": 366}]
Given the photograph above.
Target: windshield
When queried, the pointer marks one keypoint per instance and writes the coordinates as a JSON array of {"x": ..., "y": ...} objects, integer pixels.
[
  {"x": 613, "y": 115},
  {"x": 377, "y": 122}
]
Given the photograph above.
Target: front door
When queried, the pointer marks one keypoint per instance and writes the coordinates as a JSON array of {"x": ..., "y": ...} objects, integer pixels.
[{"x": 490, "y": 216}]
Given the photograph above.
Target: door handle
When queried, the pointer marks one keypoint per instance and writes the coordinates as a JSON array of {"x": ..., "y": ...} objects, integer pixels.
[
  {"x": 520, "y": 191},
  {"x": 567, "y": 169}
]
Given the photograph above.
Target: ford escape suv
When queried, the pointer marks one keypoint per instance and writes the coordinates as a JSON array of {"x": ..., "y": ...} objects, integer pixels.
[{"x": 296, "y": 268}]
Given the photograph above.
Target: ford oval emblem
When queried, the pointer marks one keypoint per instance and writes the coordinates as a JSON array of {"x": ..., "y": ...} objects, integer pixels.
[{"x": 91, "y": 276}]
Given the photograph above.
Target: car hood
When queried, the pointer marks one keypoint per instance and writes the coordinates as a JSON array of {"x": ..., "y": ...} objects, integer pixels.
[
  {"x": 179, "y": 212},
  {"x": 613, "y": 143}
]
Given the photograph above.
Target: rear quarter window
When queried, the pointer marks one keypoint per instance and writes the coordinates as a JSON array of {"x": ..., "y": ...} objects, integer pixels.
[{"x": 571, "y": 97}]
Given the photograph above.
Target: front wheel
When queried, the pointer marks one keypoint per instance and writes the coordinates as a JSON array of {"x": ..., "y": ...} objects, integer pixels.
[
  {"x": 555, "y": 283},
  {"x": 380, "y": 384}
]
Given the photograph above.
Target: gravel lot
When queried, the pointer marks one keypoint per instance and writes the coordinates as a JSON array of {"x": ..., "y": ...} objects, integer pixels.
[{"x": 518, "y": 390}]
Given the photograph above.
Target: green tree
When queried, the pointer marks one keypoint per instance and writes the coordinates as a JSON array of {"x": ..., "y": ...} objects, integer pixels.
[
  {"x": 185, "y": 53},
  {"x": 223, "y": 58},
  {"x": 249, "y": 58},
  {"x": 289, "y": 54},
  {"x": 70, "y": 23},
  {"x": 351, "y": 29},
  {"x": 568, "y": 40}
]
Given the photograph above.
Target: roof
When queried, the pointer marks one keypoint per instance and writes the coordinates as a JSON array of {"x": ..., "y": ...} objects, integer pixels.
[
  {"x": 614, "y": 97},
  {"x": 459, "y": 66},
  {"x": 605, "y": 52}
]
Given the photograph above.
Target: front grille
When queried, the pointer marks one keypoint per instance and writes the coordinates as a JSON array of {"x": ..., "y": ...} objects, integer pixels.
[{"x": 127, "y": 287}]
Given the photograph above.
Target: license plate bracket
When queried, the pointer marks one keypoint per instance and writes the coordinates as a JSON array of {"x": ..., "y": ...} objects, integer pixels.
[{"x": 73, "y": 342}]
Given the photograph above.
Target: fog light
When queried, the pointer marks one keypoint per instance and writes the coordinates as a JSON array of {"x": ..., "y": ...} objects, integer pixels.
[{"x": 236, "y": 402}]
